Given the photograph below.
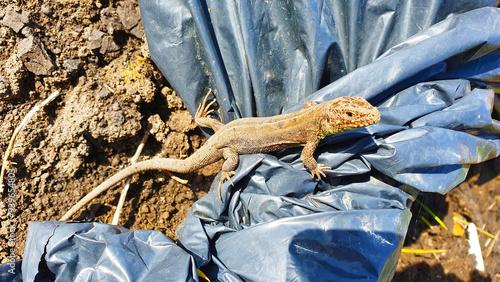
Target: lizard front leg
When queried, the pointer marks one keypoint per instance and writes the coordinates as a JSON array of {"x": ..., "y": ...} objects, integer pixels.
[
  {"x": 231, "y": 162},
  {"x": 310, "y": 162},
  {"x": 201, "y": 117}
]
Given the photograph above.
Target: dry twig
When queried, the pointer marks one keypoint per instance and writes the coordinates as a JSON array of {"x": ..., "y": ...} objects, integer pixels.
[
  {"x": 6, "y": 163},
  {"x": 123, "y": 195}
]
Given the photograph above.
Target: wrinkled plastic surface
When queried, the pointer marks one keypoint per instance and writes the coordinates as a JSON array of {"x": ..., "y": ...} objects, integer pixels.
[
  {"x": 11, "y": 272},
  {"x": 425, "y": 64},
  {"x": 99, "y": 252}
]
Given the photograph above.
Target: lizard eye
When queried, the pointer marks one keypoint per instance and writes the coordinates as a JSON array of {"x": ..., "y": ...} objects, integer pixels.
[{"x": 349, "y": 114}]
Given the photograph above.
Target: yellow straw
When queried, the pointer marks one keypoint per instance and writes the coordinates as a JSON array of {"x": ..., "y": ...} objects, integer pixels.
[{"x": 408, "y": 251}]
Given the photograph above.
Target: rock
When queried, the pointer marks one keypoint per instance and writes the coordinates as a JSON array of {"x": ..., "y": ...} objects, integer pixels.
[
  {"x": 94, "y": 39},
  {"x": 108, "y": 45},
  {"x": 15, "y": 20},
  {"x": 34, "y": 56},
  {"x": 129, "y": 15},
  {"x": 138, "y": 31},
  {"x": 83, "y": 52},
  {"x": 111, "y": 20},
  {"x": 27, "y": 31},
  {"x": 45, "y": 8},
  {"x": 72, "y": 65},
  {"x": 104, "y": 93}
]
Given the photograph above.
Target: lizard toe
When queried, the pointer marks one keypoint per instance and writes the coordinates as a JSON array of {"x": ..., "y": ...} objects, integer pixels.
[
  {"x": 318, "y": 171},
  {"x": 226, "y": 175}
]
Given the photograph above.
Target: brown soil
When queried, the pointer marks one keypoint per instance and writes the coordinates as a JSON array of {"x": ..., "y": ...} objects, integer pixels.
[
  {"x": 478, "y": 200},
  {"x": 110, "y": 91},
  {"x": 94, "y": 52}
]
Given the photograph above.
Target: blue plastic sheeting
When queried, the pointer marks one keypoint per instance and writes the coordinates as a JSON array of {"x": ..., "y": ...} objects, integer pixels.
[
  {"x": 11, "y": 272},
  {"x": 427, "y": 66},
  {"x": 99, "y": 252}
]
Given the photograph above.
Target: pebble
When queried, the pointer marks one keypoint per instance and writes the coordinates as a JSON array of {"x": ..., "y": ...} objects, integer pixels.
[
  {"x": 94, "y": 38},
  {"x": 72, "y": 65},
  {"x": 27, "y": 31},
  {"x": 45, "y": 8},
  {"x": 14, "y": 19},
  {"x": 104, "y": 93},
  {"x": 108, "y": 45},
  {"x": 128, "y": 14},
  {"x": 34, "y": 56}
]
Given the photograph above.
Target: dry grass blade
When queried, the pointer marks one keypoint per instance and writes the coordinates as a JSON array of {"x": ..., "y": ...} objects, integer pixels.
[
  {"x": 124, "y": 192},
  {"x": 420, "y": 251},
  {"x": 6, "y": 163}
]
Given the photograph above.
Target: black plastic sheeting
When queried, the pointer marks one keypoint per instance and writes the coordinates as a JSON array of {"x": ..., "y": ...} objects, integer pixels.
[{"x": 429, "y": 66}]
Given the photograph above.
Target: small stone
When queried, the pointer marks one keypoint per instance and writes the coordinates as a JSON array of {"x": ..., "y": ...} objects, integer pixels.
[
  {"x": 94, "y": 39},
  {"x": 27, "y": 31},
  {"x": 115, "y": 107},
  {"x": 138, "y": 31},
  {"x": 129, "y": 15},
  {"x": 83, "y": 52},
  {"x": 78, "y": 29},
  {"x": 104, "y": 93},
  {"x": 114, "y": 161},
  {"x": 108, "y": 45},
  {"x": 111, "y": 20},
  {"x": 45, "y": 8},
  {"x": 72, "y": 65},
  {"x": 165, "y": 215},
  {"x": 13, "y": 19},
  {"x": 58, "y": 187},
  {"x": 181, "y": 121},
  {"x": 32, "y": 52}
]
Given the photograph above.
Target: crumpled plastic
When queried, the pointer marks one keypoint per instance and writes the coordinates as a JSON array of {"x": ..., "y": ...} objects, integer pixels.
[
  {"x": 93, "y": 251},
  {"x": 430, "y": 67}
]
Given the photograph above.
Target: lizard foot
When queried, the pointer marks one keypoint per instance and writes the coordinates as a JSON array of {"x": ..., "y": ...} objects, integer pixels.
[
  {"x": 225, "y": 176},
  {"x": 204, "y": 109},
  {"x": 318, "y": 171}
]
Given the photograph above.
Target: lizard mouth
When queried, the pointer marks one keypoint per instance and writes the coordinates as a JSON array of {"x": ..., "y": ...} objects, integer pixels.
[{"x": 366, "y": 121}]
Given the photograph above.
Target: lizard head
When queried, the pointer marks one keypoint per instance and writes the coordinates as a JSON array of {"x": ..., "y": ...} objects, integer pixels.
[{"x": 347, "y": 113}]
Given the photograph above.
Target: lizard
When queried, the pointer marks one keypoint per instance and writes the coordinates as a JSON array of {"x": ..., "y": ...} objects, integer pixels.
[{"x": 254, "y": 135}]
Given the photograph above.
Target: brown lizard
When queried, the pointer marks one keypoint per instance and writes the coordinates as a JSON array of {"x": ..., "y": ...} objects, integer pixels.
[{"x": 257, "y": 135}]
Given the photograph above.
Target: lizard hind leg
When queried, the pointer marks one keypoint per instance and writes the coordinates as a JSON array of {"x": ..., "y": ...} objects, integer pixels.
[{"x": 231, "y": 162}]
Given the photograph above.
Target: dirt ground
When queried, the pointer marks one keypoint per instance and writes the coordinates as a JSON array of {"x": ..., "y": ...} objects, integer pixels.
[
  {"x": 477, "y": 199},
  {"x": 94, "y": 53}
]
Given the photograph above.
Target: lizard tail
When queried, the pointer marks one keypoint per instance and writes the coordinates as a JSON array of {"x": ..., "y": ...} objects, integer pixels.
[{"x": 162, "y": 164}]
